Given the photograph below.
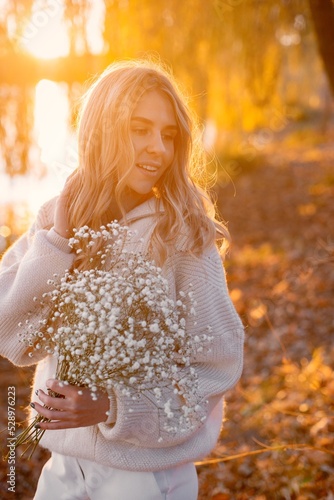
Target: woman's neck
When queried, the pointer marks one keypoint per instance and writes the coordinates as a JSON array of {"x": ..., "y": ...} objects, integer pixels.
[{"x": 129, "y": 200}]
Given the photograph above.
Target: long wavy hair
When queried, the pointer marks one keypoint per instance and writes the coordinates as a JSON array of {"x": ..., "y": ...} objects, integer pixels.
[{"x": 105, "y": 145}]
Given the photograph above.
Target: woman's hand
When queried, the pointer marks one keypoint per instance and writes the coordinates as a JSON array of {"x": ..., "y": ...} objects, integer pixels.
[
  {"x": 75, "y": 409},
  {"x": 61, "y": 222}
]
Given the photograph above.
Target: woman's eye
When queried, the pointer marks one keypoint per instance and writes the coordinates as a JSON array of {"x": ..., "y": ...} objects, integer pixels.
[
  {"x": 168, "y": 137},
  {"x": 140, "y": 131}
]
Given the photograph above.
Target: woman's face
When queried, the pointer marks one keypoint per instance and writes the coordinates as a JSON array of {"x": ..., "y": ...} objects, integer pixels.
[{"x": 153, "y": 129}]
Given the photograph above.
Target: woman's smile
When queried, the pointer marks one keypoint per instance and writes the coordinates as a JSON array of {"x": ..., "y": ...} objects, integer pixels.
[{"x": 150, "y": 168}]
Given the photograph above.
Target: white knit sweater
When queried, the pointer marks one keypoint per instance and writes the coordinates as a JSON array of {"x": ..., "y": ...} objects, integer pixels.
[{"x": 129, "y": 440}]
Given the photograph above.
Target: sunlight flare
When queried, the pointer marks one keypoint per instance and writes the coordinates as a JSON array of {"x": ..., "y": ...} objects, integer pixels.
[
  {"x": 51, "y": 117},
  {"x": 45, "y": 35},
  {"x": 46, "y": 32}
]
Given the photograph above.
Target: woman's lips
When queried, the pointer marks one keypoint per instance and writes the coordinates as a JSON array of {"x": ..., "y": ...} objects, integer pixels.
[{"x": 149, "y": 168}]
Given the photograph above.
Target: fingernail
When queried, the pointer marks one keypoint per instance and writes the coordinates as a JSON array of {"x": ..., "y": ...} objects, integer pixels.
[
  {"x": 36, "y": 392},
  {"x": 32, "y": 405},
  {"x": 37, "y": 426}
]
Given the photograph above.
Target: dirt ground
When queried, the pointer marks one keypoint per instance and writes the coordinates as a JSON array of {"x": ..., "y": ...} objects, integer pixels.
[{"x": 281, "y": 276}]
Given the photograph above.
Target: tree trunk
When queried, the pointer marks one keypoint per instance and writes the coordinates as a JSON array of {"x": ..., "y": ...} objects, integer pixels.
[{"x": 322, "y": 12}]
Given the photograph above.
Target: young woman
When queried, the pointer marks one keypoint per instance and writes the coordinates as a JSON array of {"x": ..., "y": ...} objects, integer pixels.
[{"x": 138, "y": 157}]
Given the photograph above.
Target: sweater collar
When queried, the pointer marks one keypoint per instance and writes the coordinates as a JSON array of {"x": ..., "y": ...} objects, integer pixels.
[{"x": 145, "y": 209}]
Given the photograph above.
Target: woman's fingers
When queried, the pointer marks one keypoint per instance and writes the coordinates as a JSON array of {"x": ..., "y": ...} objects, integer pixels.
[
  {"x": 58, "y": 403},
  {"x": 58, "y": 419},
  {"x": 54, "y": 425},
  {"x": 50, "y": 413},
  {"x": 74, "y": 407},
  {"x": 69, "y": 184},
  {"x": 61, "y": 219},
  {"x": 63, "y": 388}
]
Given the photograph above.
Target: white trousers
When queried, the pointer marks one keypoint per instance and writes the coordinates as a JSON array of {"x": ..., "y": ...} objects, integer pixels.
[{"x": 68, "y": 478}]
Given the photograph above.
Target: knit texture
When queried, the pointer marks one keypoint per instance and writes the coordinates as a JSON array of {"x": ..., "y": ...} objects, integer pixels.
[{"x": 133, "y": 437}]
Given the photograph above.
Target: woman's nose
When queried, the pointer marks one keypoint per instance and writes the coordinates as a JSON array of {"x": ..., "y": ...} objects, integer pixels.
[{"x": 156, "y": 144}]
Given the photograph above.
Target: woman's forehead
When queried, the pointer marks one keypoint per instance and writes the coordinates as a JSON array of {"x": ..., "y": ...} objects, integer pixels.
[{"x": 155, "y": 105}]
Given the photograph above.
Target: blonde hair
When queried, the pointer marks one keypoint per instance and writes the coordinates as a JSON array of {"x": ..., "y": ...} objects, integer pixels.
[{"x": 105, "y": 144}]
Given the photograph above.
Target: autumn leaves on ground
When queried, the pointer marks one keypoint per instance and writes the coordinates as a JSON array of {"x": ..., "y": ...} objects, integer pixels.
[{"x": 278, "y": 438}]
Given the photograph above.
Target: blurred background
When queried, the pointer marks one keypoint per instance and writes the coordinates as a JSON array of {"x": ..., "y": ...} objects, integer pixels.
[
  {"x": 252, "y": 68},
  {"x": 260, "y": 74}
]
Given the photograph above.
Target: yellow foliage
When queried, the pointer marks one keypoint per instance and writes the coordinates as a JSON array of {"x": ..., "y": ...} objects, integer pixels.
[
  {"x": 307, "y": 209},
  {"x": 250, "y": 255}
]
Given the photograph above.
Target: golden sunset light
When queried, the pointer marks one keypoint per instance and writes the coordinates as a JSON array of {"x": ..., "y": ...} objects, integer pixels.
[{"x": 167, "y": 249}]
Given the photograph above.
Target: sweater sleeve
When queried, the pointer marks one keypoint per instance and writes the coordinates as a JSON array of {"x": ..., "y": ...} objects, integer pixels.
[
  {"x": 218, "y": 368},
  {"x": 24, "y": 272}
]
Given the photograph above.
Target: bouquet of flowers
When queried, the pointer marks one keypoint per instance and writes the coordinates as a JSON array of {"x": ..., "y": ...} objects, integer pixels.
[{"x": 114, "y": 325}]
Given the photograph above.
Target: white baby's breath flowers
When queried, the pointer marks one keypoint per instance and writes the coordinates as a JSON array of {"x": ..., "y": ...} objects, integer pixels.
[{"x": 114, "y": 327}]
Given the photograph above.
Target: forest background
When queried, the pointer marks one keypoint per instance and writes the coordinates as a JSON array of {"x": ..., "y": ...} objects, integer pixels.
[{"x": 261, "y": 78}]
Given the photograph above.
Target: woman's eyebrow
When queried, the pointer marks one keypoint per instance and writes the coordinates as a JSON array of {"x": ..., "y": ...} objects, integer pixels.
[{"x": 149, "y": 122}]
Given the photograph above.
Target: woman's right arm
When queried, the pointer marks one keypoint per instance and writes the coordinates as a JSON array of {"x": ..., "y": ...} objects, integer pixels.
[{"x": 24, "y": 272}]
